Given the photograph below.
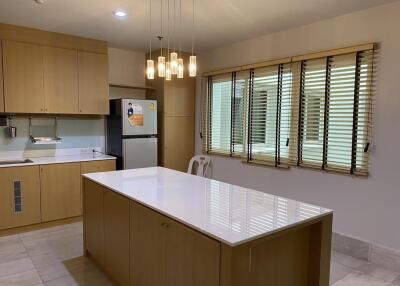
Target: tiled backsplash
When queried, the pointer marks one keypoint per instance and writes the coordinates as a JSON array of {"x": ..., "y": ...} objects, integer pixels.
[{"x": 74, "y": 132}]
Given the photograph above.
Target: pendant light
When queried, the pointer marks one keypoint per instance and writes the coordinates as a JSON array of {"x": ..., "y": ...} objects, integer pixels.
[
  {"x": 192, "y": 58},
  {"x": 168, "y": 64},
  {"x": 161, "y": 58},
  {"x": 150, "y": 62},
  {"x": 180, "y": 60}
]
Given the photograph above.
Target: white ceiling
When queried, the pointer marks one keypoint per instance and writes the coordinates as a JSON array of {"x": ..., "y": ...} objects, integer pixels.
[{"x": 218, "y": 22}]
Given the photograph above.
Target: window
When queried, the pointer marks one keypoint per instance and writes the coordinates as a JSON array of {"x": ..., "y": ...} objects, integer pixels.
[{"x": 310, "y": 111}]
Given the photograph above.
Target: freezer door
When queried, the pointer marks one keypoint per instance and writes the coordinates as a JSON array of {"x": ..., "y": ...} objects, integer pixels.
[
  {"x": 140, "y": 153},
  {"x": 139, "y": 117}
]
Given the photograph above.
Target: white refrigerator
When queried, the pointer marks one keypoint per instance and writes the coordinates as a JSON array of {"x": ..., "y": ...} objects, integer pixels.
[{"x": 132, "y": 133}]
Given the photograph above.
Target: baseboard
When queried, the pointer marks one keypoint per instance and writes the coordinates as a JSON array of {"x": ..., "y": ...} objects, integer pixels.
[
  {"x": 22, "y": 229},
  {"x": 376, "y": 254}
]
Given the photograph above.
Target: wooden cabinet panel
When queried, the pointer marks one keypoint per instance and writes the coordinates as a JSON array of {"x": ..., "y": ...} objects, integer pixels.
[
  {"x": 60, "y": 191},
  {"x": 97, "y": 166},
  {"x": 93, "y": 83},
  {"x": 94, "y": 220},
  {"x": 147, "y": 247},
  {"x": 191, "y": 258},
  {"x": 1, "y": 80},
  {"x": 116, "y": 237},
  {"x": 23, "y": 77},
  {"x": 180, "y": 97},
  {"x": 178, "y": 142},
  {"x": 29, "y": 199},
  {"x": 61, "y": 80}
]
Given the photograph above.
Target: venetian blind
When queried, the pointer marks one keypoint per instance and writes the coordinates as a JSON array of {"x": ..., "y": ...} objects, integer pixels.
[
  {"x": 269, "y": 114},
  {"x": 219, "y": 114},
  {"x": 334, "y": 112}
]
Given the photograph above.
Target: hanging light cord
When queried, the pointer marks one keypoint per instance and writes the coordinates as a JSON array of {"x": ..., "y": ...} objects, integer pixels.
[
  {"x": 180, "y": 26},
  {"x": 193, "y": 30},
  {"x": 150, "y": 30},
  {"x": 161, "y": 36},
  {"x": 168, "y": 32}
]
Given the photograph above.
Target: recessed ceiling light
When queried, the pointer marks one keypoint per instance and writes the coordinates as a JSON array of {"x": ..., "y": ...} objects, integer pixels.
[{"x": 120, "y": 14}]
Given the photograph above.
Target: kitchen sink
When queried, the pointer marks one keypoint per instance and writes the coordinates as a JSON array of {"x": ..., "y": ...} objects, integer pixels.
[{"x": 16, "y": 162}]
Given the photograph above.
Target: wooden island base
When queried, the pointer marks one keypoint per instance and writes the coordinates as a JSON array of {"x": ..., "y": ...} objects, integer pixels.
[{"x": 138, "y": 246}]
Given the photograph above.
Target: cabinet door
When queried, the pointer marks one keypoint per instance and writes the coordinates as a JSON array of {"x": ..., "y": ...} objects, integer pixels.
[
  {"x": 178, "y": 142},
  {"x": 23, "y": 77},
  {"x": 147, "y": 247},
  {"x": 191, "y": 258},
  {"x": 116, "y": 237},
  {"x": 180, "y": 97},
  {"x": 97, "y": 166},
  {"x": 61, "y": 80},
  {"x": 60, "y": 191},
  {"x": 93, "y": 83},
  {"x": 94, "y": 220},
  {"x": 19, "y": 196},
  {"x": 1, "y": 80}
]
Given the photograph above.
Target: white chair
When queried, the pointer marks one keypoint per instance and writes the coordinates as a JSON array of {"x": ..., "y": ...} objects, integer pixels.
[{"x": 199, "y": 165}]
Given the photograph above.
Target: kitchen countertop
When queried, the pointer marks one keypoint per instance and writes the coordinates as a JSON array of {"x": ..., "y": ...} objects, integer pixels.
[
  {"x": 58, "y": 159},
  {"x": 228, "y": 213}
]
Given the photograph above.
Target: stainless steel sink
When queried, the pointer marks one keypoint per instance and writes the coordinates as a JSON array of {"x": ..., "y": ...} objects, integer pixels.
[{"x": 16, "y": 162}]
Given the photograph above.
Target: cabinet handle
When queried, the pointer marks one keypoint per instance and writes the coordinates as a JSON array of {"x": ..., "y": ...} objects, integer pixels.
[{"x": 250, "y": 259}]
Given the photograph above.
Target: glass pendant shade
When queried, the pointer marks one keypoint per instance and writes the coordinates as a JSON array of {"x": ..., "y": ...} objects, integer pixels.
[
  {"x": 150, "y": 69},
  {"x": 161, "y": 66},
  {"x": 192, "y": 66},
  {"x": 168, "y": 71},
  {"x": 180, "y": 68},
  {"x": 174, "y": 63}
]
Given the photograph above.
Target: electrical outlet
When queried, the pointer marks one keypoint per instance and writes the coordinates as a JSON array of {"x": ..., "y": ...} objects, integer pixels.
[{"x": 3, "y": 121}]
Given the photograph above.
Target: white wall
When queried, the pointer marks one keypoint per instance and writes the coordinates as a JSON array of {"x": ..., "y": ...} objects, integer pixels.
[{"x": 367, "y": 209}]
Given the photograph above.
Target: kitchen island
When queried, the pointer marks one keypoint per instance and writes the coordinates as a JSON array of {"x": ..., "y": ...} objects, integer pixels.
[{"x": 156, "y": 226}]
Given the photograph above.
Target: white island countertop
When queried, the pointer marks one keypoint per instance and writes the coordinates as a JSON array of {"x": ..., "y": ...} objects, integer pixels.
[
  {"x": 56, "y": 159},
  {"x": 228, "y": 213}
]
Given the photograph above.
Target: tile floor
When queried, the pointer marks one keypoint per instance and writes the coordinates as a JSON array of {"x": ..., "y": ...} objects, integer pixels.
[{"x": 53, "y": 256}]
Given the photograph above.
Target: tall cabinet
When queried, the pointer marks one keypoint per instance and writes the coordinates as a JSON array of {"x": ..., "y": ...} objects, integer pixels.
[
  {"x": 176, "y": 117},
  {"x": 1, "y": 80}
]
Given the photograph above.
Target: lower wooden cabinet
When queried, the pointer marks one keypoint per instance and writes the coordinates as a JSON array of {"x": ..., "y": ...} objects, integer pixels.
[
  {"x": 97, "y": 166},
  {"x": 93, "y": 230},
  {"x": 147, "y": 246},
  {"x": 165, "y": 252},
  {"x": 138, "y": 246},
  {"x": 190, "y": 257},
  {"x": 19, "y": 196},
  {"x": 60, "y": 191},
  {"x": 116, "y": 237}
]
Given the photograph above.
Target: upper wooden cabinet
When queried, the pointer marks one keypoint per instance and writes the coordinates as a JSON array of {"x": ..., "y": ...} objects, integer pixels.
[
  {"x": 61, "y": 80},
  {"x": 46, "y": 72},
  {"x": 93, "y": 83},
  {"x": 1, "y": 81},
  {"x": 23, "y": 77}
]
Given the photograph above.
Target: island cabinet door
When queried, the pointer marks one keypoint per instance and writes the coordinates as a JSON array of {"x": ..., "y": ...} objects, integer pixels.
[
  {"x": 191, "y": 258},
  {"x": 147, "y": 247},
  {"x": 93, "y": 220},
  {"x": 116, "y": 237},
  {"x": 60, "y": 191}
]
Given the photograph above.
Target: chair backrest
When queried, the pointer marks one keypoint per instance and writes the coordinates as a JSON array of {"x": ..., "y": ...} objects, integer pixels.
[{"x": 199, "y": 165}]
